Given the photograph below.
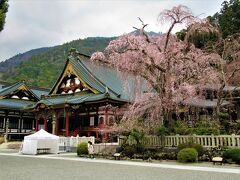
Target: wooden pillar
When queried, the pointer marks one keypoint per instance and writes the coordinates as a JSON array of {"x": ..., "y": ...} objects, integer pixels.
[
  {"x": 33, "y": 125},
  {"x": 7, "y": 126},
  {"x": 54, "y": 123},
  {"x": 36, "y": 124},
  {"x": 76, "y": 115},
  {"x": 20, "y": 123},
  {"x": 97, "y": 115},
  {"x": 97, "y": 134},
  {"x": 45, "y": 123},
  {"x": 4, "y": 122},
  {"x": 53, "y": 127},
  {"x": 67, "y": 124},
  {"x": 106, "y": 117},
  {"x": 106, "y": 136},
  {"x": 57, "y": 123}
]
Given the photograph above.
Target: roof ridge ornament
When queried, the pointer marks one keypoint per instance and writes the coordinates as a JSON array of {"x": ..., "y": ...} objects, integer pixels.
[
  {"x": 106, "y": 92},
  {"x": 72, "y": 52}
]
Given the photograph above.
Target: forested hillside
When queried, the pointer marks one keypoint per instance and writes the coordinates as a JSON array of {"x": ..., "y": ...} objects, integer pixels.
[
  {"x": 19, "y": 58},
  {"x": 42, "y": 69}
]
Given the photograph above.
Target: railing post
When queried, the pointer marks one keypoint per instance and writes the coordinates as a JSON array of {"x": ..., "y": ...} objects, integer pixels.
[
  {"x": 71, "y": 141},
  {"x": 119, "y": 141},
  {"x": 238, "y": 141},
  {"x": 233, "y": 140},
  {"x": 213, "y": 141},
  {"x": 194, "y": 138},
  {"x": 177, "y": 139},
  {"x": 77, "y": 140}
]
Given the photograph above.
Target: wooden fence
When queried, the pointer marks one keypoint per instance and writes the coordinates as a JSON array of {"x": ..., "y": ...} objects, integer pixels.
[{"x": 173, "y": 141}]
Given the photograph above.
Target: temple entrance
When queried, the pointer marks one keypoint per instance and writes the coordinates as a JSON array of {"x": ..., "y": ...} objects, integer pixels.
[
  {"x": 61, "y": 126},
  {"x": 49, "y": 125},
  {"x": 41, "y": 123}
]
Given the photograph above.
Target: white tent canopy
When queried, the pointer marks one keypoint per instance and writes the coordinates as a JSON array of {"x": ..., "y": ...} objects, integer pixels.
[
  {"x": 41, "y": 134},
  {"x": 40, "y": 141}
]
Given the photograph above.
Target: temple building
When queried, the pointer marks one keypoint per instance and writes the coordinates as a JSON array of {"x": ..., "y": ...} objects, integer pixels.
[
  {"x": 15, "y": 121},
  {"x": 203, "y": 107},
  {"x": 86, "y": 100}
]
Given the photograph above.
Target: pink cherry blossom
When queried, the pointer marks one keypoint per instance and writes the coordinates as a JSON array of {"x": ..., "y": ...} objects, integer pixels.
[{"x": 173, "y": 69}]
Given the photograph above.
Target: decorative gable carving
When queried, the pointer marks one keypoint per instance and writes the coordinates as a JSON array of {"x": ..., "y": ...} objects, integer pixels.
[
  {"x": 22, "y": 93},
  {"x": 71, "y": 84}
]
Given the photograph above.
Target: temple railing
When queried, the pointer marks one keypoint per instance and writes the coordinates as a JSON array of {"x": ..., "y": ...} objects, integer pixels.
[
  {"x": 67, "y": 143},
  {"x": 173, "y": 141},
  {"x": 15, "y": 131}
]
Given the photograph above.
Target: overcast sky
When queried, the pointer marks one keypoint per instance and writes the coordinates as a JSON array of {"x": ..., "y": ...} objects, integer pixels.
[{"x": 41, "y": 23}]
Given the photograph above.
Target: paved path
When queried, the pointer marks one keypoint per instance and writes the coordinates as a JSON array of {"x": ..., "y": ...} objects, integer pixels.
[{"x": 50, "y": 167}]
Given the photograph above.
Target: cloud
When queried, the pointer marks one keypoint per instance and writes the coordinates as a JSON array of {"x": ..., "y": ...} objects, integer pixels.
[{"x": 40, "y": 23}]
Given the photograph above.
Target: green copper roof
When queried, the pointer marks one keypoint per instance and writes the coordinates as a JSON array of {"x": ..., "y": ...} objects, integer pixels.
[
  {"x": 85, "y": 74},
  {"x": 7, "y": 90},
  {"x": 94, "y": 97},
  {"x": 14, "y": 104},
  {"x": 78, "y": 98},
  {"x": 39, "y": 92},
  {"x": 3, "y": 84},
  {"x": 88, "y": 76},
  {"x": 120, "y": 82},
  {"x": 100, "y": 77}
]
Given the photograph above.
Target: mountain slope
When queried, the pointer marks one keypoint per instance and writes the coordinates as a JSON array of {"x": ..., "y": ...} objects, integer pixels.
[
  {"x": 42, "y": 69},
  {"x": 19, "y": 58}
]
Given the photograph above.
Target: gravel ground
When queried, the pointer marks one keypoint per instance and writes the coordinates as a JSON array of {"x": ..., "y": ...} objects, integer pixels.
[{"x": 32, "y": 168}]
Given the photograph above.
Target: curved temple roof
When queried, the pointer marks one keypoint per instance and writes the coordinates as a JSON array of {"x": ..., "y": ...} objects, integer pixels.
[
  {"x": 103, "y": 81},
  {"x": 9, "y": 103}
]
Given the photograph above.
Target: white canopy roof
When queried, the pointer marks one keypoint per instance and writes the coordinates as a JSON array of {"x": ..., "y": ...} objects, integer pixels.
[{"x": 41, "y": 134}]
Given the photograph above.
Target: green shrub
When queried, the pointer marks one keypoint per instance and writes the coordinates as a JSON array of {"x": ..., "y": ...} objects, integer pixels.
[
  {"x": 187, "y": 155},
  {"x": 129, "y": 150},
  {"x": 231, "y": 127},
  {"x": 163, "y": 131},
  {"x": 206, "y": 131},
  {"x": 233, "y": 155},
  {"x": 204, "y": 127},
  {"x": 82, "y": 148},
  {"x": 149, "y": 154},
  {"x": 140, "y": 148},
  {"x": 137, "y": 135},
  {"x": 223, "y": 116},
  {"x": 199, "y": 148},
  {"x": 182, "y": 128}
]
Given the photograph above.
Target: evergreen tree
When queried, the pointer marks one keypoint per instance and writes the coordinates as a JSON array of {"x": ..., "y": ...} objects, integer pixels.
[
  {"x": 3, "y": 11},
  {"x": 229, "y": 17}
]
